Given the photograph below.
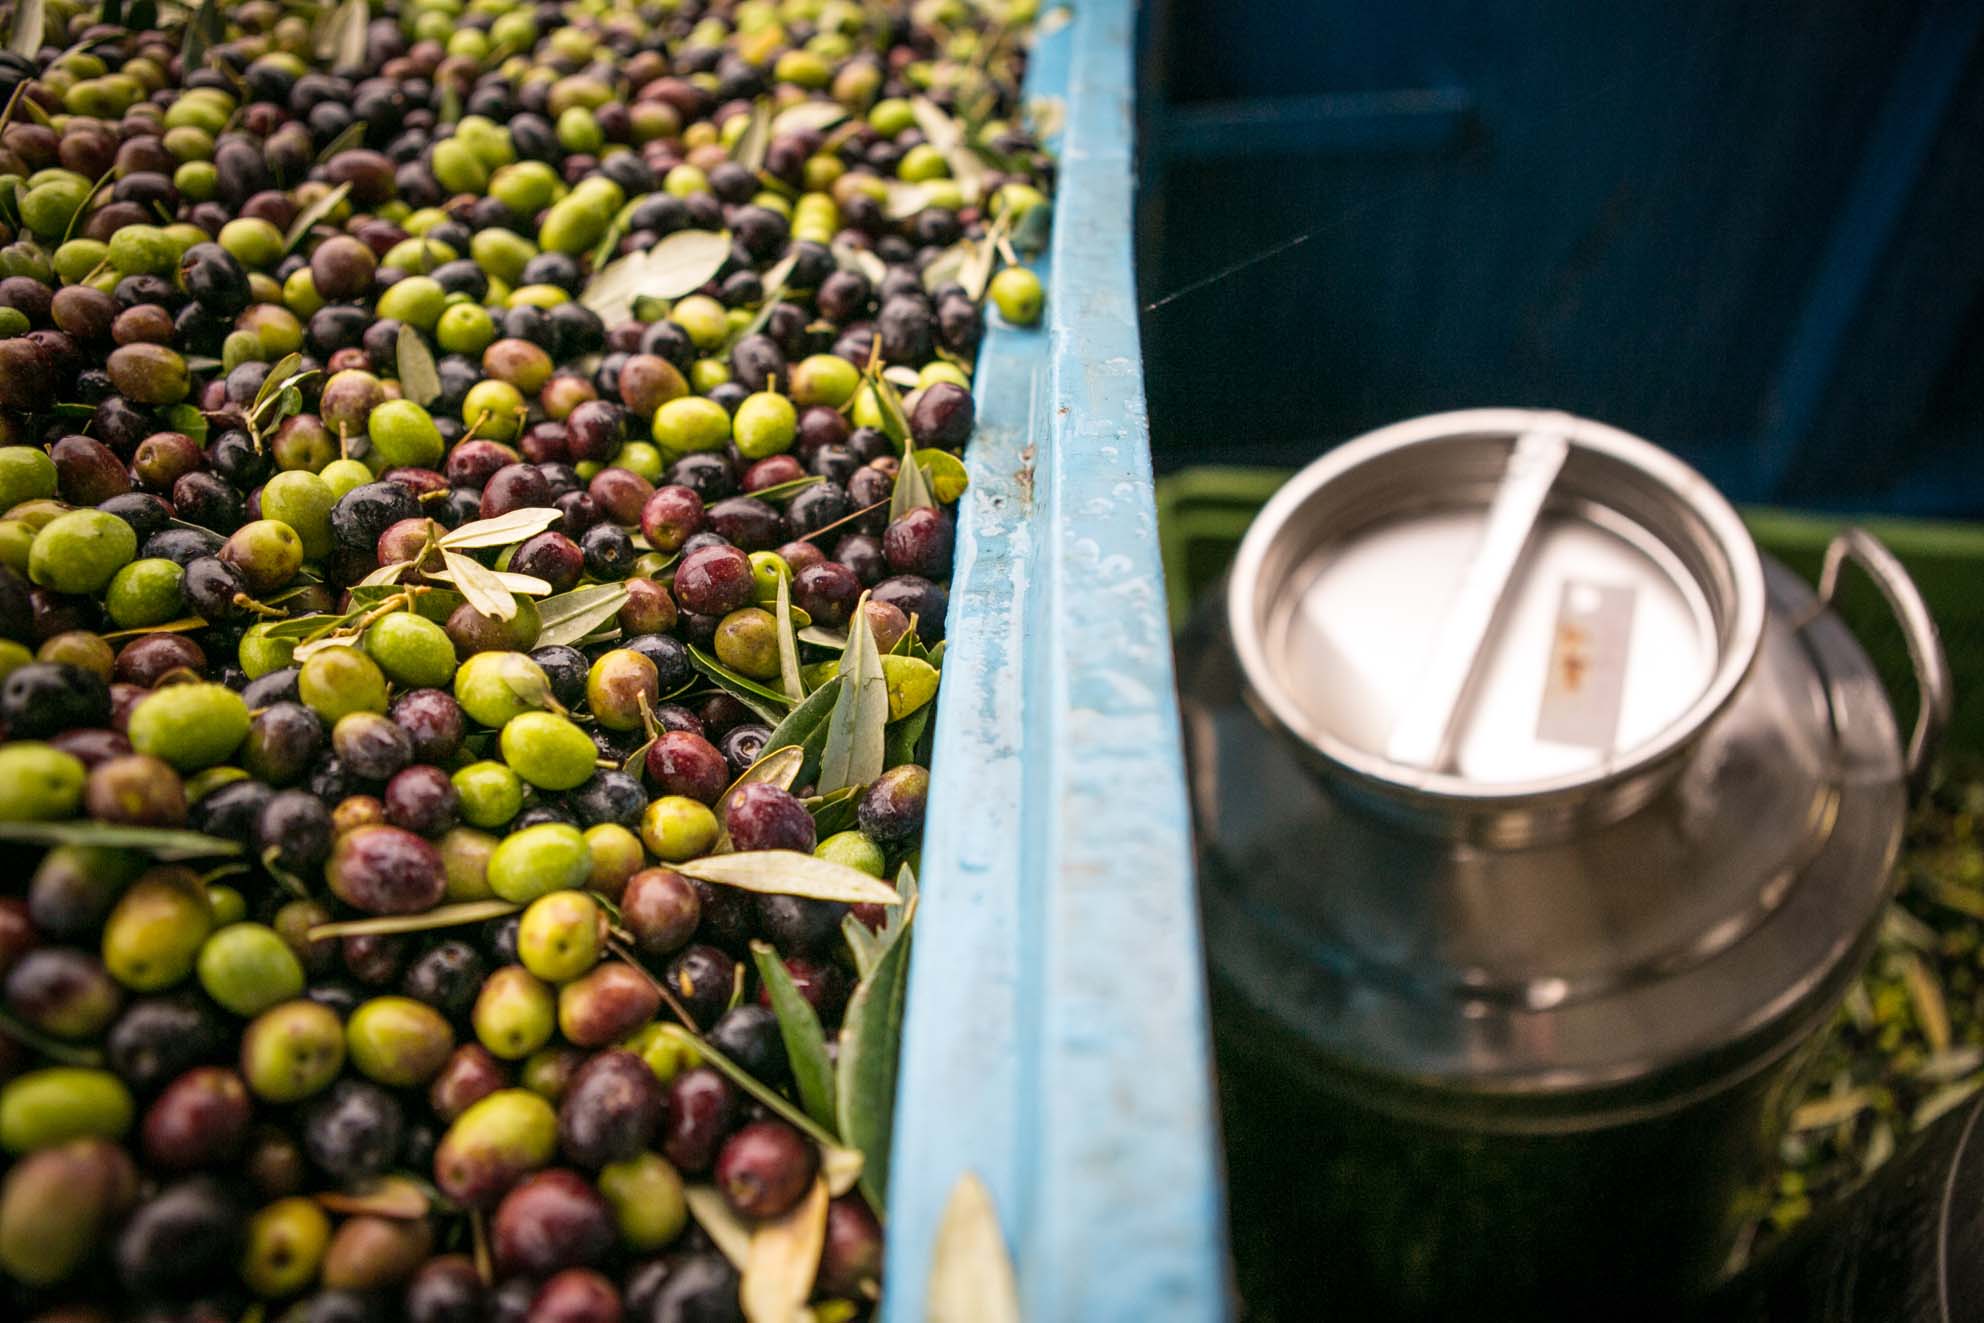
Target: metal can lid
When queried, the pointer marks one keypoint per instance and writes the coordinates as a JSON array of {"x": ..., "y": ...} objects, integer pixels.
[{"x": 1495, "y": 605}]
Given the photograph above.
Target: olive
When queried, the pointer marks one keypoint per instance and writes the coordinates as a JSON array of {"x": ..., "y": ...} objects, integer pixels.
[
  {"x": 247, "y": 968},
  {"x": 200, "y": 1120},
  {"x": 353, "y": 1132},
  {"x": 159, "y": 1038},
  {"x": 550, "y": 556},
  {"x": 433, "y": 721},
  {"x": 701, "y": 1288},
  {"x": 56, "y": 1202},
  {"x": 421, "y": 800},
  {"x": 291, "y": 1051},
  {"x": 191, "y": 726},
  {"x": 60, "y": 1103},
  {"x": 90, "y": 471},
  {"x": 283, "y": 1246},
  {"x": 493, "y": 1144},
  {"x": 80, "y": 551},
  {"x": 180, "y": 1238},
  {"x": 469, "y": 1074},
  {"x": 446, "y": 977},
  {"x": 891, "y": 810},
  {"x": 671, "y": 516},
  {"x": 386, "y": 870},
  {"x": 560, "y": 935},
  {"x": 367, "y": 511},
  {"x": 398, "y": 1041},
  {"x": 610, "y": 1110},
  {"x": 445, "y": 1290},
  {"x": 549, "y": 1221},
  {"x": 851, "y": 1261},
  {"x": 609, "y": 797},
  {"x": 687, "y": 765},
  {"x": 370, "y": 745},
  {"x": 576, "y": 1295},
  {"x": 63, "y": 992},
  {"x": 919, "y": 543},
  {"x": 39, "y": 782},
  {"x": 714, "y": 580},
  {"x": 764, "y": 1168},
  {"x": 370, "y": 1253},
  {"x": 606, "y": 1004},
  {"x": 155, "y": 930},
  {"x": 284, "y": 738},
  {"x": 677, "y": 828},
  {"x": 44, "y": 698},
  {"x": 759, "y": 816}
]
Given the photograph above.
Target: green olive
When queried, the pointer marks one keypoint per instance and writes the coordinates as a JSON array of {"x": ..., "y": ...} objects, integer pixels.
[
  {"x": 548, "y": 857},
  {"x": 79, "y": 552},
  {"x": 248, "y": 968},
  {"x": 51, "y": 1106},
  {"x": 548, "y": 750},
  {"x": 39, "y": 782},
  {"x": 339, "y": 681},
  {"x": 491, "y": 793},
  {"x": 291, "y": 1051},
  {"x": 397, "y": 1041},
  {"x": 191, "y": 726}
]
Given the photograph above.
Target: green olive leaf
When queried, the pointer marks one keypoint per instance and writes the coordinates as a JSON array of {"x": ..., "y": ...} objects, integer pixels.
[
  {"x": 724, "y": 1228},
  {"x": 944, "y": 473},
  {"x": 68, "y": 1054},
  {"x": 863, "y": 942},
  {"x": 609, "y": 242},
  {"x": 912, "y": 489},
  {"x": 788, "y": 646},
  {"x": 185, "y": 418},
  {"x": 768, "y": 703},
  {"x": 791, "y": 873},
  {"x": 503, "y": 530},
  {"x": 441, "y": 916},
  {"x": 824, "y": 638},
  {"x": 30, "y": 23},
  {"x": 780, "y": 491},
  {"x": 894, "y": 421},
  {"x": 204, "y": 30},
  {"x": 865, "y": 1079},
  {"x": 569, "y": 617},
  {"x": 948, "y": 266},
  {"x": 684, "y": 262},
  {"x": 450, "y": 110},
  {"x": 420, "y": 380},
  {"x": 614, "y": 287},
  {"x": 799, "y": 1026},
  {"x": 849, "y": 258},
  {"x": 479, "y": 584},
  {"x": 904, "y": 734},
  {"x": 808, "y": 116},
  {"x": 756, "y": 139},
  {"x": 854, "y": 749},
  {"x": 310, "y": 215},
  {"x": 160, "y": 842},
  {"x": 836, "y": 811},
  {"x": 806, "y": 727},
  {"x": 971, "y": 1272},
  {"x": 353, "y": 135}
]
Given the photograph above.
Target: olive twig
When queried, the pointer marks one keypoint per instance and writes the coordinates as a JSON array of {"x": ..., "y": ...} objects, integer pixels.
[{"x": 674, "y": 1003}]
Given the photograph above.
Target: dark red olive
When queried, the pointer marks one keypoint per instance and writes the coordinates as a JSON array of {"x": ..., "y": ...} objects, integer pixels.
[
  {"x": 702, "y": 1109},
  {"x": 764, "y": 1168},
  {"x": 610, "y": 1110},
  {"x": 201, "y": 1120},
  {"x": 549, "y": 1221}
]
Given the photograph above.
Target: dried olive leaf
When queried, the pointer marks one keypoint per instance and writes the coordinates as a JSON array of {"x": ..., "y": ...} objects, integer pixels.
[
  {"x": 791, "y": 873},
  {"x": 569, "y": 617},
  {"x": 788, "y": 646},
  {"x": 529, "y": 585},
  {"x": 394, "y": 1197},
  {"x": 309, "y": 216},
  {"x": 349, "y": 24},
  {"x": 808, "y": 116},
  {"x": 613, "y": 288},
  {"x": 849, "y": 258},
  {"x": 420, "y": 381},
  {"x": 799, "y": 1027},
  {"x": 944, "y": 472},
  {"x": 901, "y": 374},
  {"x": 160, "y": 842},
  {"x": 905, "y": 200},
  {"x": 984, "y": 259},
  {"x": 30, "y": 24},
  {"x": 971, "y": 1274},
  {"x": 783, "y": 1258},
  {"x": 724, "y": 1228},
  {"x": 684, "y": 262},
  {"x": 479, "y": 584},
  {"x": 948, "y": 266},
  {"x": 441, "y": 916},
  {"x": 503, "y": 530},
  {"x": 865, "y": 1083},
  {"x": 385, "y": 574},
  {"x": 855, "y": 733}
]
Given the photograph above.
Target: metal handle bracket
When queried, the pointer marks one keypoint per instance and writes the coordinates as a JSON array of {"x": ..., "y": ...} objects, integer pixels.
[{"x": 1936, "y": 693}]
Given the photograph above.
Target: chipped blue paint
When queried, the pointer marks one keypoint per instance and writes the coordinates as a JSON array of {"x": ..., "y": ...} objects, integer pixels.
[{"x": 1056, "y": 1040}]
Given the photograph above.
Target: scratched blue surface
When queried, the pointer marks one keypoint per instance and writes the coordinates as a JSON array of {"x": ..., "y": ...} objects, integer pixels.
[{"x": 1056, "y": 1040}]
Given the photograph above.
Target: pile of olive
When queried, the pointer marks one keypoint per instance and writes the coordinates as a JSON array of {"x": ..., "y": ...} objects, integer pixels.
[{"x": 350, "y": 964}]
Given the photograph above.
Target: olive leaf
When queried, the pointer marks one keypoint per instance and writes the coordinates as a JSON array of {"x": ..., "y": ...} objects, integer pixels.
[
  {"x": 947, "y": 136},
  {"x": 396, "y": 1197},
  {"x": 894, "y": 421},
  {"x": 746, "y": 690},
  {"x": 311, "y": 214},
  {"x": 450, "y": 110},
  {"x": 160, "y": 842},
  {"x": 569, "y": 617},
  {"x": 183, "y": 625},
  {"x": 529, "y": 585},
  {"x": 616, "y": 230},
  {"x": 806, "y": 727},
  {"x": 865, "y": 1080},
  {"x": 912, "y": 489},
  {"x": 724, "y": 1228},
  {"x": 684, "y": 262},
  {"x": 944, "y": 473},
  {"x": 823, "y": 638},
  {"x": 948, "y": 266},
  {"x": 791, "y": 873},
  {"x": 441, "y": 916},
  {"x": 203, "y": 30},
  {"x": 68, "y": 1054},
  {"x": 788, "y": 646},
  {"x": 353, "y": 134},
  {"x": 385, "y": 574},
  {"x": 971, "y": 1273},
  {"x": 420, "y": 380},
  {"x": 904, "y": 734},
  {"x": 905, "y": 200},
  {"x": 611, "y": 292},
  {"x": 479, "y": 584},
  {"x": 783, "y": 1258},
  {"x": 977, "y": 271},
  {"x": 501, "y": 531},
  {"x": 849, "y": 258},
  {"x": 779, "y": 491},
  {"x": 854, "y": 748},
  {"x": 756, "y": 140},
  {"x": 836, "y": 811},
  {"x": 76, "y": 216},
  {"x": 799, "y": 1027},
  {"x": 185, "y": 418},
  {"x": 901, "y": 375},
  {"x": 30, "y": 23},
  {"x": 348, "y": 24},
  {"x": 862, "y": 941},
  {"x": 808, "y": 116}
]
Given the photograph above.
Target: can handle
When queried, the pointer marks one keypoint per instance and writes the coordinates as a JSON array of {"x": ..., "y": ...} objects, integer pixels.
[{"x": 1936, "y": 697}]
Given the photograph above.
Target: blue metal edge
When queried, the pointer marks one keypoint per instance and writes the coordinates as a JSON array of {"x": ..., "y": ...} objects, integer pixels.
[{"x": 1056, "y": 1040}]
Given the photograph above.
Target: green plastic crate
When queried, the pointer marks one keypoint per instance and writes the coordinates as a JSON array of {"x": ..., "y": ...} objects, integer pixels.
[{"x": 1204, "y": 512}]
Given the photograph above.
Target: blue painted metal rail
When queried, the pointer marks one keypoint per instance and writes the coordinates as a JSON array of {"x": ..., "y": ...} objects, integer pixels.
[{"x": 1056, "y": 1041}]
